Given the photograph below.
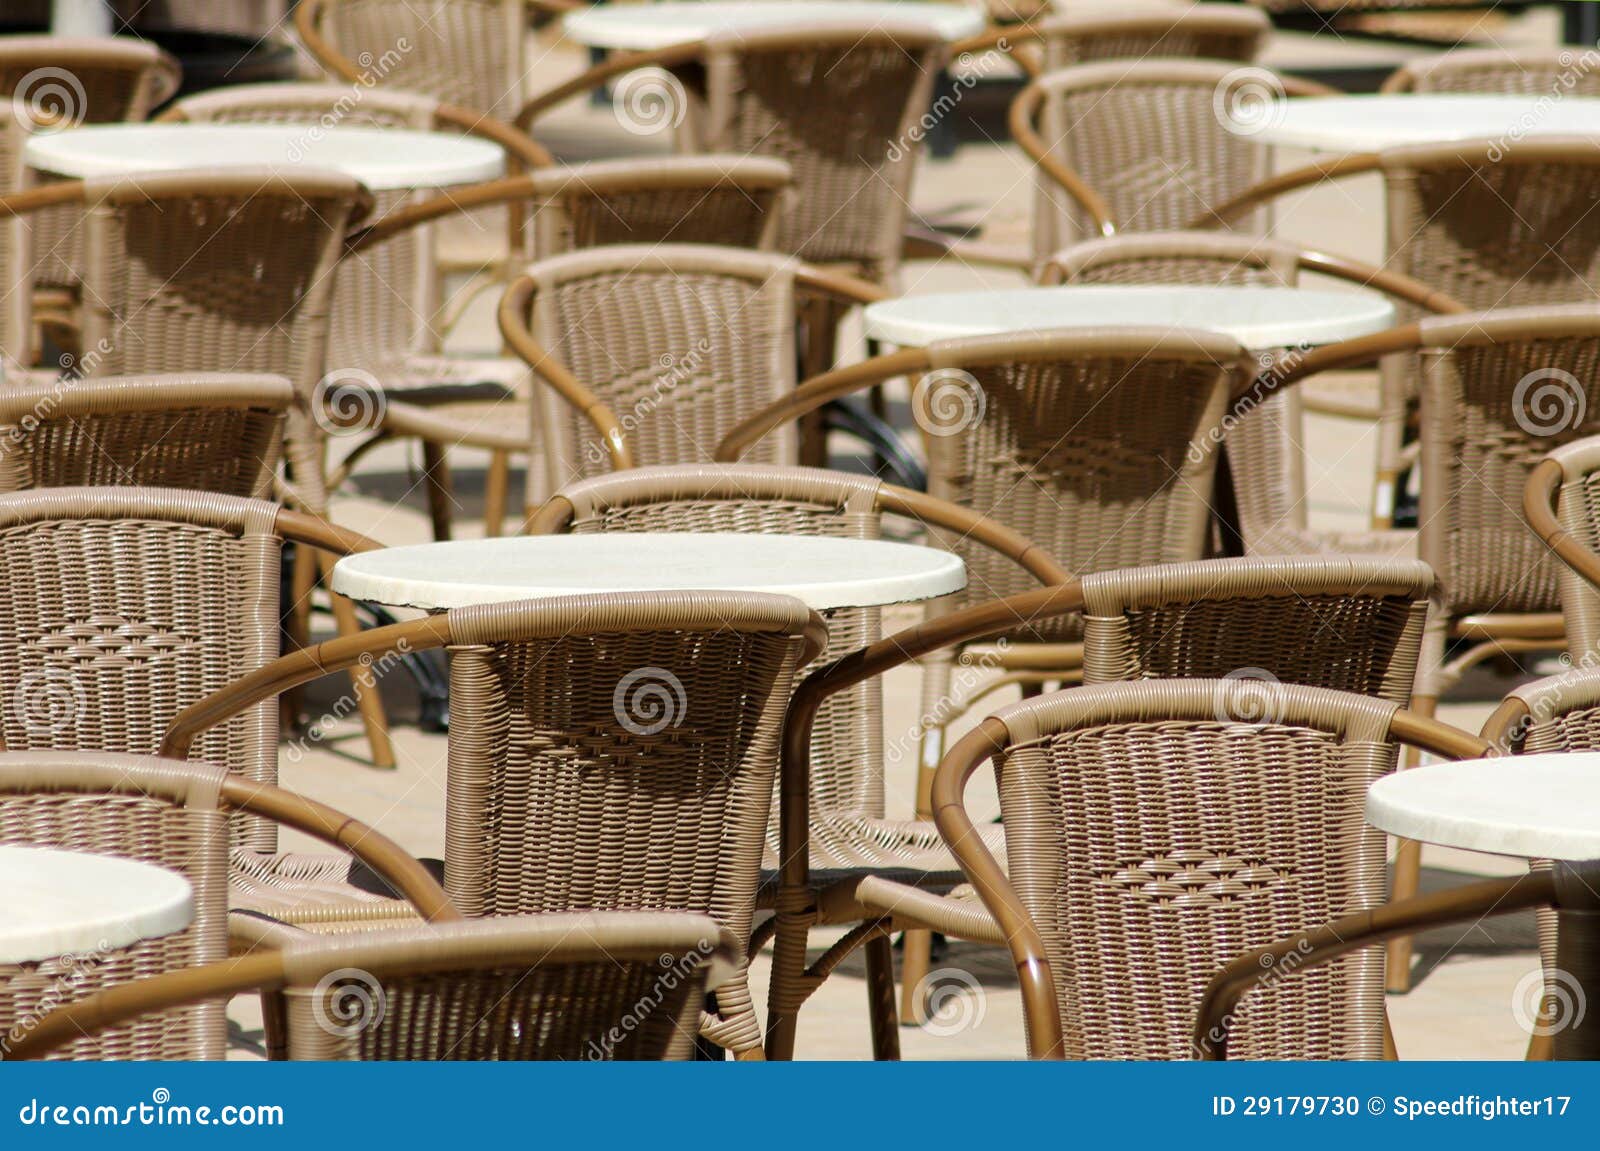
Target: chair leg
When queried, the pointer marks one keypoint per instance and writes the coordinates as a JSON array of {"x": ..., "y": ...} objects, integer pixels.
[
  {"x": 789, "y": 986},
  {"x": 495, "y": 489},
  {"x": 297, "y": 623},
  {"x": 916, "y": 946},
  {"x": 880, "y": 997},
  {"x": 436, "y": 478},
  {"x": 363, "y": 684},
  {"x": 1407, "y": 874},
  {"x": 275, "y": 1025},
  {"x": 916, "y": 957}
]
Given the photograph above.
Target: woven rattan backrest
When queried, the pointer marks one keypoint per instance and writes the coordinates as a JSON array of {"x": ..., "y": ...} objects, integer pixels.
[
  {"x": 1578, "y": 509},
  {"x": 1493, "y": 71},
  {"x": 621, "y": 986},
  {"x": 466, "y": 52},
  {"x": 228, "y": 271},
  {"x": 1084, "y": 442},
  {"x": 1155, "y": 830},
  {"x": 847, "y": 747},
  {"x": 840, "y": 102},
  {"x": 1499, "y": 392},
  {"x": 387, "y": 293},
  {"x": 122, "y": 606},
  {"x": 1337, "y": 622},
  {"x": 206, "y": 432},
  {"x": 616, "y": 752},
  {"x": 149, "y": 810},
  {"x": 1148, "y": 138},
  {"x": 680, "y": 341},
  {"x": 710, "y": 199},
  {"x": 1265, "y": 435},
  {"x": 1208, "y": 31}
]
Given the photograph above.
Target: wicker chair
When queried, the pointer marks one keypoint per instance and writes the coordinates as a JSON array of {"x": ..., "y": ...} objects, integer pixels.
[
  {"x": 724, "y": 200},
  {"x": 563, "y": 792},
  {"x": 1499, "y": 390},
  {"x": 615, "y": 985},
  {"x": 1349, "y": 625},
  {"x": 218, "y": 432},
  {"x": 1152, "y": 827},
  {"x": 1488, "y": 225},
  {"x": 1498, "y": 71},
  {"x": 848, "y": 832},
  {"x": 1266, "y": 439},
  {"x": 1559, "y": 504},
  {"x": 175, "y": 815},
  {"x": 1207, "y": 31},
  {"x": 1139, "y": 146},
  {"x": 52, "y": 81}
]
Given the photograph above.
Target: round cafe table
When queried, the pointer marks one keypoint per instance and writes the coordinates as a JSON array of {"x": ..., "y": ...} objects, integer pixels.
[
  {"x": 1534, "y": 806},
  {"x": 1259, "y": 318},
  {"x": 55, "y": 903},
  {"x": 645, "y": 27},
  {"x": 1372, "y": 123},
  {"x": 822, "y": 573},
  {"x": 384, "y": 159}
]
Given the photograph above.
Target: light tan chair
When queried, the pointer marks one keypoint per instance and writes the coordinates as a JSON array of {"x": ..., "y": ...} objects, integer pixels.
[
  {"x": 1141, "y": 145},
  {"x": 1204, "y": 31},
  {"x": 604, "y": 986},
  {"x": 1499, "y": 390},
  {"x": 1488, "y": 225},
  {"x": 1559, "y": 504},
  {"x": 1351, "y": 625},
  {"x": 174, "y": 815},
  {"x": 607, "y": 752},
  {"x": 1556, "y": 72},
  {"x": 1151, "y": 829},
  {"x": 212, "y": 432},
  {"x": 1266, "y": 437}
]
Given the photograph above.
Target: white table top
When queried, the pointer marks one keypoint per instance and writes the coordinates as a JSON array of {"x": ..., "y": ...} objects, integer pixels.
[
  {"x": 822, "y": 573},
  {"x": 1259, "y": 318},
  {"x": 641, "y": 27},
  {"x": 1527, "y": 805},
  {"x": 73, "y": 903},
  {"x": 381, "y": 158},
  {"x": 1372, "y": 123}
]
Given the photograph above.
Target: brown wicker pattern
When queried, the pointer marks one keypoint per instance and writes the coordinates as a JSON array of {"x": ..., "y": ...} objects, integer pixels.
[
  {"x": 569, "y": 789},
  {"x": 1495, "y": 71},
  {"x": 837, "y": 103},
  {"x": 1578, "y": 509},
  {"x": 681, "y": 342},
  {"x": 228, "y": 271},
  {"x": 207, "y": 432},
  {"x": 1209, "y": 31},
  {"x": 1134, "y": 814},
  {"x": 159, "y": 813}
]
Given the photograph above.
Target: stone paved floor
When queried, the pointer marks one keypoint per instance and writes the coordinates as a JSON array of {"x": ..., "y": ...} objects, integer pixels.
[{"x": 1462, "y": 1005}]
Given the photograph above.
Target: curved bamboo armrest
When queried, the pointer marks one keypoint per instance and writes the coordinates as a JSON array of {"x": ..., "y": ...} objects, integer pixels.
[
  {"x": 1347, "y": 354},
  {"x": 1269, "y": 189},
  {"x": 852, "y": 289},
  {"x": 42, "y": 196},
  {"x": 1539, "y": 508},
  {"x": 298, "y": 667},
  {"x": 674, "y": 55},
  {"x": 1506, "y": 724},
  {"x": 1002, "y": 38},
  {"x": 521, "y": 149},
  {"x": 506, "y": 190},
  {"x": 513, "y": 308},
  {"x": 384, "y": 856},
  {"x": 313, "y": 530},
  {"x": 1214, "y": 1022},
  {"x": 1020, "y": 120},
  {"x": 918, "y": 243},
  {"x": 815, "y": 392},
  {"x": 931, "y": 511},
  {"x": 1396, "y": 284}
]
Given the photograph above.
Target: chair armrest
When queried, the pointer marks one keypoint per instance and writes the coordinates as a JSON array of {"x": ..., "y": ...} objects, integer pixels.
[
  {"x": 521, "y": 149},
  {"x": 1020, "y": 119},
  {"x": 1258, "y": 195},
  {"x": 506, "y": 190},
  {"x": 1395, "y": 284},
  {"x": 317, "y": 532},
  {"x": 619, "y": 64},
  {"x": 927, "y": 244},
  {"x": 1539, "y": 508}
]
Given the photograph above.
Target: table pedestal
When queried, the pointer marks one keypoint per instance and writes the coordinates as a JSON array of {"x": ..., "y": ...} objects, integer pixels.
[{"x": 1578, "y": 961}]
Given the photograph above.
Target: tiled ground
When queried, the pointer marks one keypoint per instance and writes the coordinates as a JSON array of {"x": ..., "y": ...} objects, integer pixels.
[{"x": 1462, "y": 1005}]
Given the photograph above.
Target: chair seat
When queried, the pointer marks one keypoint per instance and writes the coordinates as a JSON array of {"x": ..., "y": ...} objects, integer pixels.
[
  {"x": 311, "y": 892},
  {"x": 501, "y": 425},
  {"x": 907, "y": 850}
]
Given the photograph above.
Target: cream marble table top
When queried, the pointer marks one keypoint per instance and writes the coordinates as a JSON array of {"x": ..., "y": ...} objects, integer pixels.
[
  {"x": 383, "y": 159},
  {"x": 1535, "y": 806},
  {"x": 1373, "y": 123},
  {"x": 642, "y": 27},
  {"x": 1259, "y": 317},
  {"x": 822, "y": 573},
  {"x": 71, "y": 902}
]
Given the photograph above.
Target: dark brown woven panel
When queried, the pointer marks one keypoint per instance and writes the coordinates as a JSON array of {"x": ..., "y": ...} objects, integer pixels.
[
  {"x": 1129, "y": 44},
  {"x": 111, "y": 628},
  {"x": 190, "y": 842},
  {"x": 1479, "y": 447},
  {"x": 1151, "y": 854},
  {"x": 555, "y": 1011},
  {"x": 1202, "y": 271}
]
